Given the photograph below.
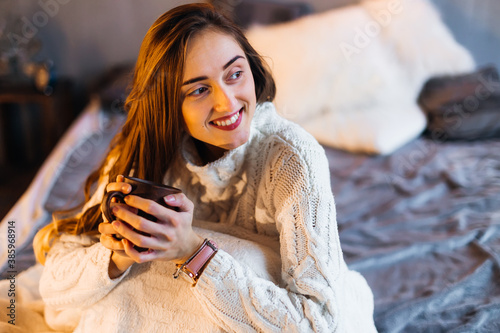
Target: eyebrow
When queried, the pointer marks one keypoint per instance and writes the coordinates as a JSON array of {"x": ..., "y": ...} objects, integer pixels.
[{"x": 200, "y": 78}]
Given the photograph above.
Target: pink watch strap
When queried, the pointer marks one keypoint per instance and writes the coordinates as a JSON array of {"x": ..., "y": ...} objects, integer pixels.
[{"x": 195, "y": 265}]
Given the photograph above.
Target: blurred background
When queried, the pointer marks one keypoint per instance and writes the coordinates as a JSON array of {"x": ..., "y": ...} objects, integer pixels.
[{"x": 54, "y": 52}]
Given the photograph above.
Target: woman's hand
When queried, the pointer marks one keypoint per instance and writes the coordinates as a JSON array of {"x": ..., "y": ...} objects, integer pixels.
[
  {"x": 171, "y": 237},
  {"x": 120, "y": 261}
]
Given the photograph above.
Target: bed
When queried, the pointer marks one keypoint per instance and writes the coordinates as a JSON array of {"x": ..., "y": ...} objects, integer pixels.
[{"x": 418, "y": 217}]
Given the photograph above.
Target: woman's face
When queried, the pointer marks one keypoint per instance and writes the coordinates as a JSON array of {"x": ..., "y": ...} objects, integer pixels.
[{"x": 218, "y": 92}]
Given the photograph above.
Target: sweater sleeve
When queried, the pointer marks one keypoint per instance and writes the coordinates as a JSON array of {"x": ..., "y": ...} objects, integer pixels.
[
  {"x": 299, "y": 197},
  {"x": 76, "y": 273}
]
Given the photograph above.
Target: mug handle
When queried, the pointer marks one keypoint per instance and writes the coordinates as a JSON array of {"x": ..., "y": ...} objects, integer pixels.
[{"x": 106, "y": 201}]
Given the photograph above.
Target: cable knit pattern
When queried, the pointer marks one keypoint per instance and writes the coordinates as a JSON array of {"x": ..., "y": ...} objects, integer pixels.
[{"x": 276, "y": 187}]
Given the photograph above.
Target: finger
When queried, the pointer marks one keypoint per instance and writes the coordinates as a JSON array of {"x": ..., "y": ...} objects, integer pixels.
[
  {"x": 168, "y": 215},
  {"x": 128, "y": 208},
  {"x": 138, "y": 239},
  {"x": 123, "y": 206},
  {"x": 111, "y": 243},
  {"x": 119, "y": 185},
  {"x": 149, "y": 206},
  {"x": 137, "y": 256},
  {"x": 106, "y": 228},
  {"x": 180, "y": 201},
  {"x": 146, "y": 205},
  {"x": 129, "y": 215}
]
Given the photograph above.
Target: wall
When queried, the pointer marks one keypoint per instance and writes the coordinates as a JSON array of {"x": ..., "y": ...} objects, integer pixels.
[
  {"x": 475, "y": 25},
  {"x": 321, "y": 5},
  {"x": 83, "y": 37}
]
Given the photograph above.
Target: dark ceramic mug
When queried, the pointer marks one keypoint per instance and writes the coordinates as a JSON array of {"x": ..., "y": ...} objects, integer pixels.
[{"x": 144, "y": 189}]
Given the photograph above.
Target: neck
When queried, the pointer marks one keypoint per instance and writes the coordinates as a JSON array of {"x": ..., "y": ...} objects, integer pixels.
[{"x": 207, "y": 152}]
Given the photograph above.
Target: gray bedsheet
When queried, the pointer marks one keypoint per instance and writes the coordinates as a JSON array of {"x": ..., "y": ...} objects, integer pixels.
[{"x": 423, "y": 227}]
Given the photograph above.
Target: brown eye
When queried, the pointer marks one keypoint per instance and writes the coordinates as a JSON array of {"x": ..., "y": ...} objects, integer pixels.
[
  {"x": 236, "y": 75},
  {"x": 198, "y": 91}
]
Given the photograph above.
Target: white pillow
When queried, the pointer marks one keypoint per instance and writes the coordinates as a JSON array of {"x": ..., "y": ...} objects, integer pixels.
[{"x": 351, "y": 76}]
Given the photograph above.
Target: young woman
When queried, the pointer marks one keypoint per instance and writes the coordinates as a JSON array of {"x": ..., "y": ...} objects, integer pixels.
[{"x": 200, "y": 118}]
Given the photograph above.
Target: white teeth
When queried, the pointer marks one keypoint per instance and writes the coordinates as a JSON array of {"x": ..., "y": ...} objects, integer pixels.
[{"x": 228, "y": 122}]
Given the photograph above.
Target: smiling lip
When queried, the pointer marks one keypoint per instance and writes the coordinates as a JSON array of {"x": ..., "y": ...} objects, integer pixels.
[{"x": 229, "y": 127}]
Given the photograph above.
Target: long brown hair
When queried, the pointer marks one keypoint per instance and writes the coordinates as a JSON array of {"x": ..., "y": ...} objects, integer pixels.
[{"x": 154, "y": 126}]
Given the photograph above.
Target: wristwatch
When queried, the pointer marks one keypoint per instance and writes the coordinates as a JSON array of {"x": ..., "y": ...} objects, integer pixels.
[{"x": 194, "y": 266}]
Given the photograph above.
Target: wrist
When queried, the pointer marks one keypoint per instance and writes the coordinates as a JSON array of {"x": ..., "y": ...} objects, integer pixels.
[
  {"x": 193, "y": 245},
  {"x": 118, "y": 265},
  {"x": 196, "y": 264}
]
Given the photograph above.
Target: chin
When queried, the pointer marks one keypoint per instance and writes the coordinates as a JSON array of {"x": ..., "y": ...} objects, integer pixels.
[
  {"x": 234, "y": 145},
  {"x": 236, "y": 142}
]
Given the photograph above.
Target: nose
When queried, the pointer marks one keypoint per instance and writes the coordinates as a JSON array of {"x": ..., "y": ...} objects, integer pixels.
[{"x": 224, "y": 99}]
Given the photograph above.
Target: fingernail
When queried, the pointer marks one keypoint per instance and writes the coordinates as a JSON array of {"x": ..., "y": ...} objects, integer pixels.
[
  {"x": 169, "y": 198},
  {"x": 115, "y": 224},
  {"x": 126, "y": 188},
  {"x": 114, "y": 209}
]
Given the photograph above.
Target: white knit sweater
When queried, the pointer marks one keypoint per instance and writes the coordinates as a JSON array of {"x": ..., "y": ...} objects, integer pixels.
[{"x": 276, "y": 191}]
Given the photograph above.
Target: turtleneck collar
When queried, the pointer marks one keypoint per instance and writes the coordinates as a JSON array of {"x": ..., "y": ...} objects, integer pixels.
[{"x": 220, "y": 173}]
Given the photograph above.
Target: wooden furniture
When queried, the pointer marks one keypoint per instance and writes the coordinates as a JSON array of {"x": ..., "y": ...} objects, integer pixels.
[{"x": 55, "y": 112}]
